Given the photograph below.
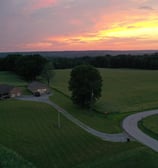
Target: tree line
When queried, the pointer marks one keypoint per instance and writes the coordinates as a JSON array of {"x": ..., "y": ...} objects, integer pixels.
[
  {"x": 30, "y": 66},
  {"x": 146, "y": 61}
]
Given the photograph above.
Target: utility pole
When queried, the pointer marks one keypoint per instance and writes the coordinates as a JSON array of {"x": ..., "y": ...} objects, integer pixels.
[
  {"x": 91, "y": 101},
  {"x": 59, "y": 121}
]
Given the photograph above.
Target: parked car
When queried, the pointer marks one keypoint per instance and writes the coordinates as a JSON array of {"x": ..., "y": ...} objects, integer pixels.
[{"x": 37, "y": 94}]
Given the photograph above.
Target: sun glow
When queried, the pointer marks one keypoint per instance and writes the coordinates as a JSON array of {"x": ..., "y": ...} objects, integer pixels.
[
  {"x": 125, "y": 32},
  {"x": 139, "y": 29},
  {"x": 143, "y": 29},
  {"x": 78, "y": 25}
]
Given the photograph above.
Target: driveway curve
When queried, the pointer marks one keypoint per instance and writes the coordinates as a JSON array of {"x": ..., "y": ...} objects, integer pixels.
[
  {"x": 130, "y": 125},
  {"x": 120, "y": 137}
]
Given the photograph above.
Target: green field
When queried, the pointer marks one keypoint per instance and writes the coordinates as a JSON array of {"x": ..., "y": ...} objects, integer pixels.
[
  {"x": 110, "y": 123},
  {"x": 10, "y": 159},
  {"x": 31, "y": 130},
  {"x": 12, "y": 79},
  {"x": 123, "y": 90},
  {"x": 150, "y": 126}
]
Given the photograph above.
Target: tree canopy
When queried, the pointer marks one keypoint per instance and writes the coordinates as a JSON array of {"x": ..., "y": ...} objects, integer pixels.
[
  {"x": 145, "y": 61},
  {"x": 85, "y": 84},
  {"x": 28, "y": 67}
]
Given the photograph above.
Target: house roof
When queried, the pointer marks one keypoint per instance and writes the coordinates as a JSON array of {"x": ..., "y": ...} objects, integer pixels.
[
  {"x": 15, "y": 90},
  {"x": 36, "y": 85},
  {"x": 4, "y": 88}
]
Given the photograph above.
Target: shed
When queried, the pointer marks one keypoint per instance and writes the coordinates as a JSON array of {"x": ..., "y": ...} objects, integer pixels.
[
  {"x": 38, "y": 87},
  {"x": 15, "y": 92},
  {"x": 7, "y": 91}
]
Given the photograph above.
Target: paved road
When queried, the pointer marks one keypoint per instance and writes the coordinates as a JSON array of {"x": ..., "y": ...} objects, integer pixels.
[
  {"x": 130, "y": 126},
  {"x": 121, "y": 137}
]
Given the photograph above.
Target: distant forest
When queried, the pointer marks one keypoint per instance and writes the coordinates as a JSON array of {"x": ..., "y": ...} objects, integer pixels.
[{"x": 146, "y": 61}]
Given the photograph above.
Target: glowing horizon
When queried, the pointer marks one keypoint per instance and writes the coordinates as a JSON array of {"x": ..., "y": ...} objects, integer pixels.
[{"x": 47, "y": 25}]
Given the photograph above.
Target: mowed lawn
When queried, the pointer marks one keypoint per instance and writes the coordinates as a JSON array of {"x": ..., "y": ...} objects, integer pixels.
[
  {"x": 150, "y": 126},
  {"x": 123, "y": 90},
  {"x": 110, "y": 123},
  {"x": 151, "y": 123},
  {"x": 30, "y": 129}
]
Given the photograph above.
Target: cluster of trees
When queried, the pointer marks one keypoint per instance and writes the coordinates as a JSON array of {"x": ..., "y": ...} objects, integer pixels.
[
  {"x": 147, "y": 61},
  {"x": 28, "y": 67}
]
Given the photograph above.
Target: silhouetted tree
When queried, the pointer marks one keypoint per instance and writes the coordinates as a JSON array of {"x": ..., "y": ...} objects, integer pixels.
[
  {"x": 29, "y": 67},
  {"x": 10, "y": 62},
  {"x": 85, "y": 84}
]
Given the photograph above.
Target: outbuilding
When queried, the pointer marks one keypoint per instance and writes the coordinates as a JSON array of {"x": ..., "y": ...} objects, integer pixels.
[
  {"x": 15, "y": 92},
  {"x": 7, "y": 91},
  {"x": 38, "y": 88}
]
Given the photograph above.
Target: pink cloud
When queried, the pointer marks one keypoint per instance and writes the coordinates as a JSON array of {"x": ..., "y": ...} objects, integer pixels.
[
  {"x": 34, "y": 5},
  {"x": 76, "y": 22},
  {"x": 40, "y": 45},
  {"x": 38, "y": 4}
]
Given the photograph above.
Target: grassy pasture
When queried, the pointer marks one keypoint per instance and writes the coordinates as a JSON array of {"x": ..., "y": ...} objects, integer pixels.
[
  {"x": 110, "y": 123},
  {"x": 30, "y": 129},
  {"x": 10, "y": 159},
  {"x": 12, "y": 79},
  {"x": 60, "y": 80},
  {"x": 123, "y": 90}
]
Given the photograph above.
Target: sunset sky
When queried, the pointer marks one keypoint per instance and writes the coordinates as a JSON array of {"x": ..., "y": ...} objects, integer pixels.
[{"x": 55, "y": 25}]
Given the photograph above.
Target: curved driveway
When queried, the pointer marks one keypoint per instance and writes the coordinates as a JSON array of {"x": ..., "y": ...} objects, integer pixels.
[
  {"x": 130, "y": 125},
  {"x": 120, "y": 137}
]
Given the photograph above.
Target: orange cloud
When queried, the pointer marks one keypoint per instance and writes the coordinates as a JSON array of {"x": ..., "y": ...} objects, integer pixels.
[
  {"x": 147, "y": 29},
  {"x": 119, "y": 31}
]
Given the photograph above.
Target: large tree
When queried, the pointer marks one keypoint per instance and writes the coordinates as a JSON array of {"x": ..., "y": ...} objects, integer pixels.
[
  {"x": 85, "y": 84},
  {"x": 31, "y": 66},
  {"x": 10, "y": 61}
]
